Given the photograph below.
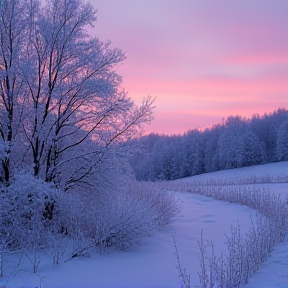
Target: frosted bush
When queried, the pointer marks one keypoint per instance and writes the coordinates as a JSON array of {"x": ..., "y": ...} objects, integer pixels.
[
  {"x": 38, "y": 219},
  {"x": 28, "y": 203},
  {"x": 123, "y": 217},
  {"x": 117, "y": 217},
  {"x": 162, "y": 203},
  {"x": 27, "y": 208}
]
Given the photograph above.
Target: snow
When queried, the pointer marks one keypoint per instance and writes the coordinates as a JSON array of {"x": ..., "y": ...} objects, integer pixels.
[
  {"x": 271, "y": 169},
  {"x": 152, "y": 264},
  {"x": 274, "y": 272}
]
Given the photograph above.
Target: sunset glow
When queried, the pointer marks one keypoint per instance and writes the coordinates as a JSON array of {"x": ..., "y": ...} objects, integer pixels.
[{"x": 203, "y": 60}]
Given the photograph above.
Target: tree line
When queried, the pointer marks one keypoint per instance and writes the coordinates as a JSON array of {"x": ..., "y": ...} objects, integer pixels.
[{"x": 238, "y": 142}]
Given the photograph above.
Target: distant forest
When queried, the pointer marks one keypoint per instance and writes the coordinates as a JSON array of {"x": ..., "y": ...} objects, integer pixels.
[{"x": 238, "y": 142}]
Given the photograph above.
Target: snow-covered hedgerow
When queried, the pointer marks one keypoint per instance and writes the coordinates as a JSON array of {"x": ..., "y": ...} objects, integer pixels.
[
  {"x": 245, "y": 252},
  {"x": 280, "y": 178}
]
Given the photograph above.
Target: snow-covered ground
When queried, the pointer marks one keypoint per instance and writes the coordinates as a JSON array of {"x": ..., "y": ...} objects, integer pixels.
[
  {"x": 271, "y": 169},
  {"x": 152, "y": 264}
]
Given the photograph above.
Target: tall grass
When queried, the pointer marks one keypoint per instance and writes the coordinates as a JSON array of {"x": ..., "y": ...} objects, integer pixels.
[{"x": 246, "y": 252}]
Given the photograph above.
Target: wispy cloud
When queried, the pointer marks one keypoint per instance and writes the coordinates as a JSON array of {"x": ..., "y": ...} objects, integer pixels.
[{"x": 203, "y": 57}]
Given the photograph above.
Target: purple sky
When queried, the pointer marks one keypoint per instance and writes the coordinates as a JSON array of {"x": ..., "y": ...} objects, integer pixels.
[{"x": 203, "y": 59}]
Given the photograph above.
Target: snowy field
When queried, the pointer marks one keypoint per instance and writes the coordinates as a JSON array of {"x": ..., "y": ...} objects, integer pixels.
[{"x": 153, "y": 263}]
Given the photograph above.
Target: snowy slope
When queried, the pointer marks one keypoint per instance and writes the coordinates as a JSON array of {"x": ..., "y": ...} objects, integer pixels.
[
  {"x": 152, "y": 264},
  {"x": 271, "y": 169}
]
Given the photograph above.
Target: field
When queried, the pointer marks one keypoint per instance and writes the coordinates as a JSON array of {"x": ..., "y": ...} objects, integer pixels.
[{"x": 153, "y": 263}]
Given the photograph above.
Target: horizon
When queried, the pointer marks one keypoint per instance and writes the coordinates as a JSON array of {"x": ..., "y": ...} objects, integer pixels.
[
  {"x": 202, "y": 61},
  {"x": 223, "y": 122}
]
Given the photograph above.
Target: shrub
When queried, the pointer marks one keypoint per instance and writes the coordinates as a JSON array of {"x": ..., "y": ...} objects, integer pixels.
[{"x": 245, "y": 252}]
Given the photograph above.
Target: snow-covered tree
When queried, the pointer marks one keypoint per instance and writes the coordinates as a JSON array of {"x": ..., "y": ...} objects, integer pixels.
[
  {"x": 266, "y": 129},
  {"x": 64, "y": 120},
  {"x": 238, "y": 146},
  {"x": 194, "y": 153},
  {"x": 13, "y": 24},
  {"x": 282, "y": 141},
  {"x": 63, "y": 85}
]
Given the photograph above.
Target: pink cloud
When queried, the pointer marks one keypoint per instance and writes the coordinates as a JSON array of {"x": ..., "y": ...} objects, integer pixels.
[{"x": 204, "y": 60}]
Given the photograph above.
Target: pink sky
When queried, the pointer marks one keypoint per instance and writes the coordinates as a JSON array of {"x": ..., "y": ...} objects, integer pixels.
[{"x": 204, "y": 60}]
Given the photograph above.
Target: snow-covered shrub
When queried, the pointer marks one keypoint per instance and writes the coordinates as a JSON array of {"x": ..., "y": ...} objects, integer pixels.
[
  {"x": 162, "y": 203},
  {"x": 119, "y": 217},
  {"x": 245, "y": 254},
  {"x": 36, "y": 218},
  {"x": 145, "y": 208},
  {"x": 66, "y": 237},
  {"x": 27, "y": 209},
  {"x": 127, "y": 220},
  {"x": 30, "y": 204}
]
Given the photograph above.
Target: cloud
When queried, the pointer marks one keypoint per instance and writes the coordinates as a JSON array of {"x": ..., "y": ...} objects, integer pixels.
[{"x": 206, "y": 57}]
